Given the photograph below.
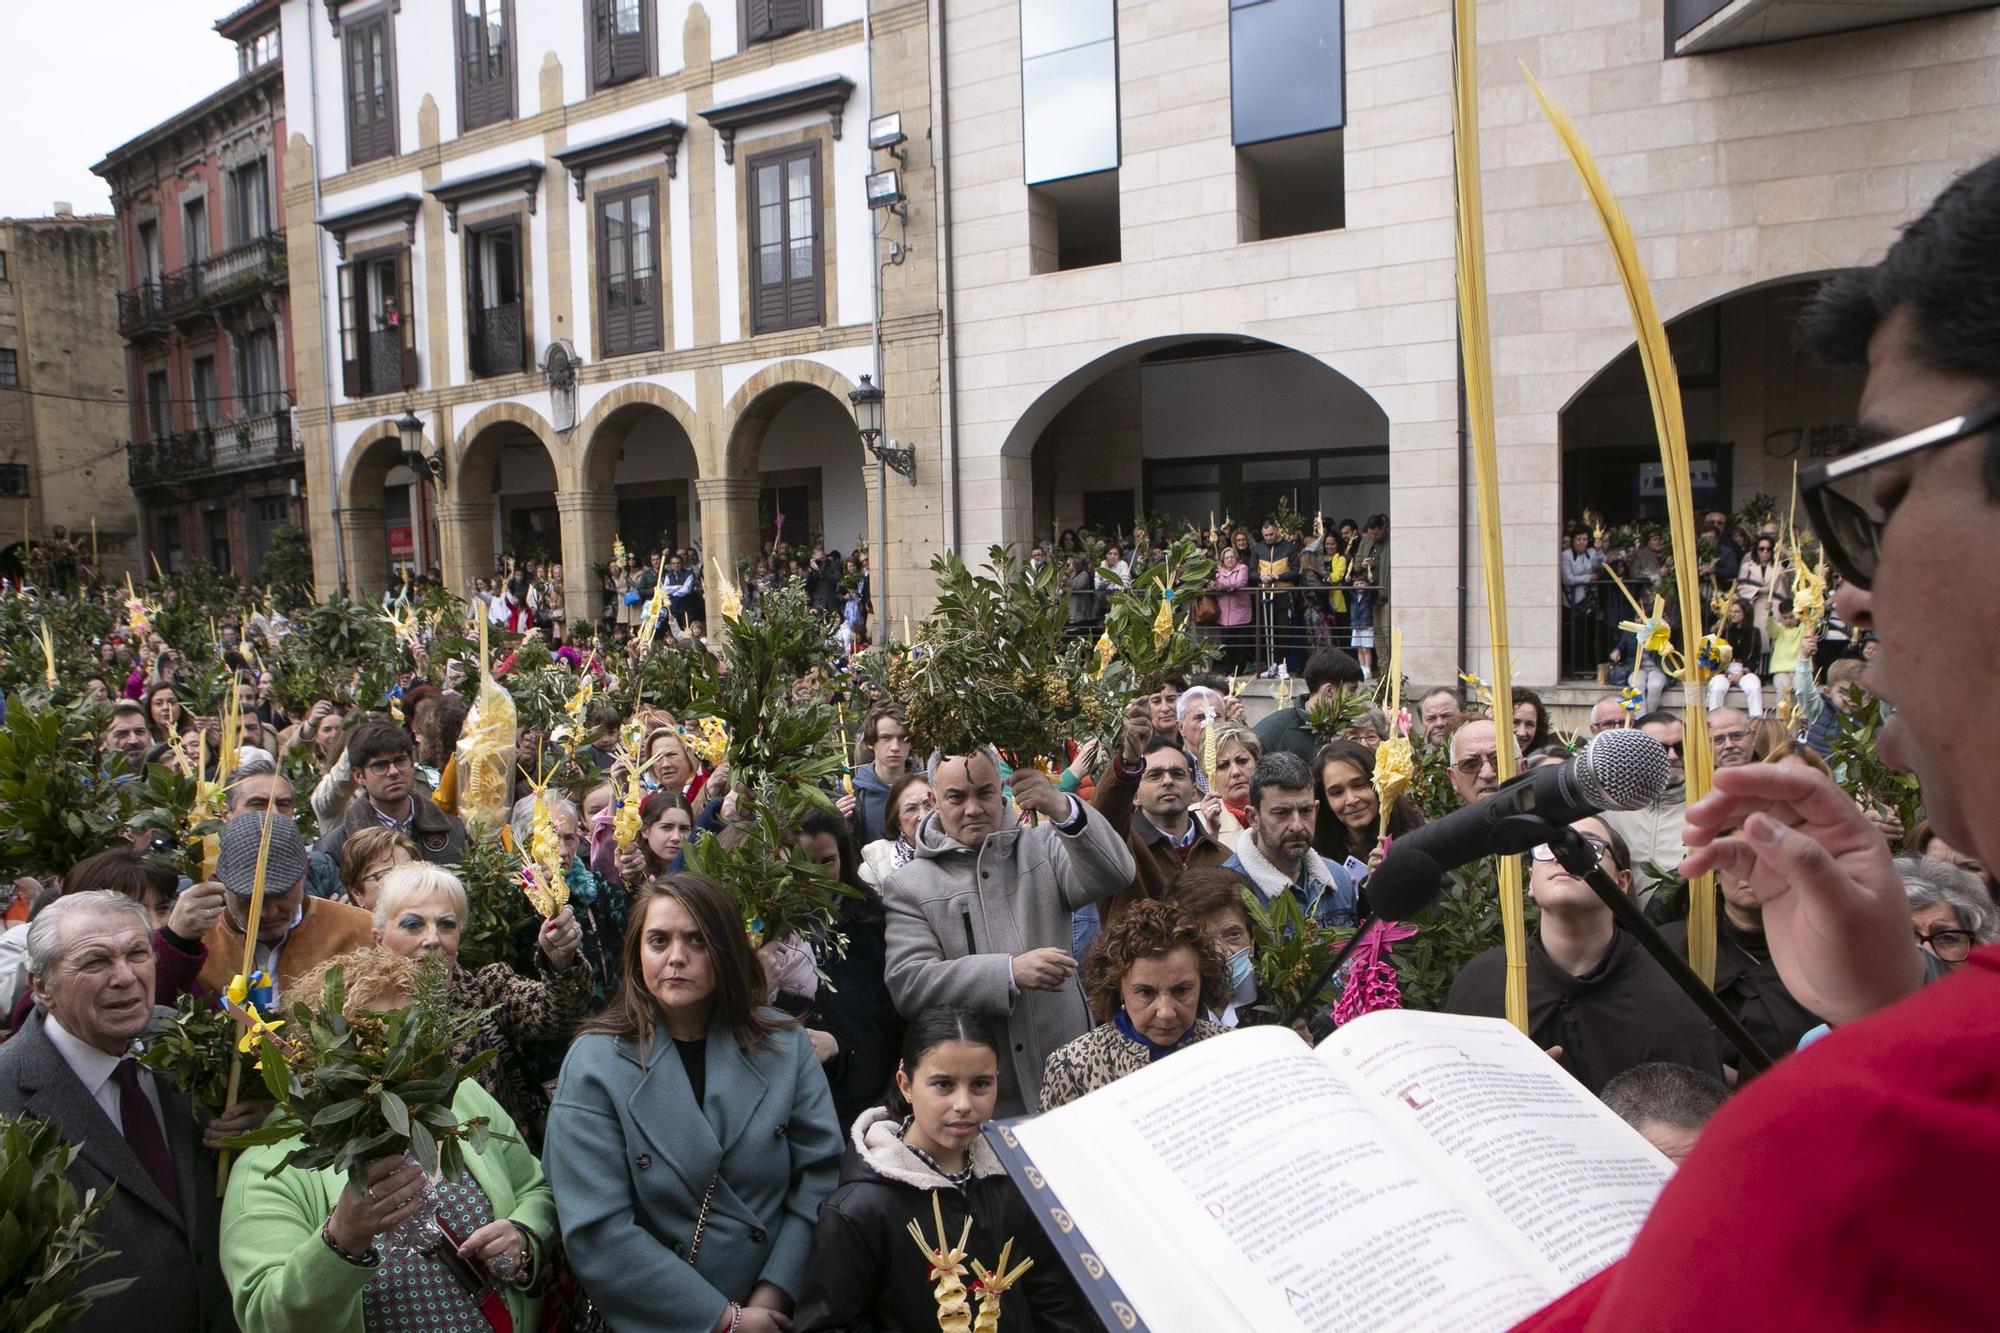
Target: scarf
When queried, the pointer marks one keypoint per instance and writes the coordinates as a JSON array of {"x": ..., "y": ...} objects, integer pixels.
[{"x": 1153, "y": 1049}]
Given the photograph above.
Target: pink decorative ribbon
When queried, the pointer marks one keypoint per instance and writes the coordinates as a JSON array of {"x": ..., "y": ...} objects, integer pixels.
[{"x": 1371, "y": 981}]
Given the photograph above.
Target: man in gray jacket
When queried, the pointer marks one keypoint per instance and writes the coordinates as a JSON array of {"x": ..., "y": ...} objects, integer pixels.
[{"x": 980, "y": 917}]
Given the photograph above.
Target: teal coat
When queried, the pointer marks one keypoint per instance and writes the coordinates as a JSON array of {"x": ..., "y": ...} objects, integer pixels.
[
  {"x": 631, "y": 1155},
  {"x": 282, "y": 1275}
]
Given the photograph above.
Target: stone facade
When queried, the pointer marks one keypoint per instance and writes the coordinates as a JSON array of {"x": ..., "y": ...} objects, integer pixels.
[
  {"x": 61, "y": 424},
  {"x": 682, "y": 442},
  {"x": 1737, "y": 170}
]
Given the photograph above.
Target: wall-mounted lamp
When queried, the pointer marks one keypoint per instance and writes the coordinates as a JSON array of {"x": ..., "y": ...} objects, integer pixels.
[{"x": 868, "y": 421}]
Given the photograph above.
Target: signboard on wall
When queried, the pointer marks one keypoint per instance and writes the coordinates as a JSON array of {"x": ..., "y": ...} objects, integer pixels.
[{"x": 401, "y": 547}]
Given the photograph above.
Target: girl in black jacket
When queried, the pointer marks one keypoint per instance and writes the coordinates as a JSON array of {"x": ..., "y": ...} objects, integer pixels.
[{"x": 866, "y": 1275}]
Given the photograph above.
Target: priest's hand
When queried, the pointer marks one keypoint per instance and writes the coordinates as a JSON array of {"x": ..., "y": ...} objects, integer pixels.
[{"x": 1835, "y": 913}]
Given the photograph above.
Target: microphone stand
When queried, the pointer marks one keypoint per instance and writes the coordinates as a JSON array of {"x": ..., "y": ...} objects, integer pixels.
[
  {"x": 1578, "y": 859},
  {"x": 1361, "y": 928}
]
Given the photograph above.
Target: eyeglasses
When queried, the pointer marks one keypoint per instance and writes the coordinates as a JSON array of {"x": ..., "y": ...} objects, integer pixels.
[
  {"x": 1949, "y": 945},
  {"x": 1729, "y": 737},
  {"x": 1474, "y": 764},
  {"x": 383, "y": 767},
  {"x": 1598, "y": 846},
  {"x": 1849, "y": 523}
]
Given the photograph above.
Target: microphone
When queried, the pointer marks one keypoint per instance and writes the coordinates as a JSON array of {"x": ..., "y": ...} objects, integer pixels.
[{"x": 1618, "y": 770}]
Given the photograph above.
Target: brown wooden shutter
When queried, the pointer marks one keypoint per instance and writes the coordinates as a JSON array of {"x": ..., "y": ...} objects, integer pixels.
[
  {"x": 600, "y": 43},
  {"x": 786, "y": 16},
  {"x": 802, "y": 294},
  {"x": 518, "y": 247},
  {"x": 409, "y": 324},
  {"x": 350, "y": 332},
  {"x": 757, "y": 20}
]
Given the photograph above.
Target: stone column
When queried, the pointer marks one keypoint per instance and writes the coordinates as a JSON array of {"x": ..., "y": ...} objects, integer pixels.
[
  {"x": 728, "y": 521},
  {"x": 465, "y": 534},
  {"x": 589, "y": 525},
  {"x": 366, "y": 536}
]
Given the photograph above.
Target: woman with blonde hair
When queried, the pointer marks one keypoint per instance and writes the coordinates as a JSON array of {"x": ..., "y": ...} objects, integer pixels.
[
  {"x": 421, "y": 910},
  {"x": 1226, "y": 808}
]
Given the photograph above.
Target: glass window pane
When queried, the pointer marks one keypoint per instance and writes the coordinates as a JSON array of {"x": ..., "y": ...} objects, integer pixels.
[
  {"x": 770, "y": 265},
  {"x": 1185, "y": 474},
  {"x": 802, "y": 258},
  {"x": 1278, "y": 469},
  {"x": 801, "y": 218},
  {"x": 798, "y": 179},
  {"x": 1057, "y": 25},
  {"x": 642, "y": 245},
  {"x": 1286, "y": 69},
  {"x": 627, "y": 17},
  {"x": 1070, "y": 113},
  {"x": 771, "y": 224},
  {"x": 1354, "y": 465},
  {"x": 769, "y": 184}
]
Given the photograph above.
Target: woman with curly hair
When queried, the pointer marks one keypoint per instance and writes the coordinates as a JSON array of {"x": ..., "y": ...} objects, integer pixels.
[{"x": 1149, "y": 979}]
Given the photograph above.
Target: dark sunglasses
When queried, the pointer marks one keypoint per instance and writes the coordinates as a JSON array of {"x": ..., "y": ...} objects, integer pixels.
[{"x": 1835, "y": 494}]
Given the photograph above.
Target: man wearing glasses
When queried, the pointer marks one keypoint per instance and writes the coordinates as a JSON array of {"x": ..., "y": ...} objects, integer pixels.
[
  {"x": 1164, "y": 834},
  {"x": 1804, "y": 1184},
  {"x": 1733, "y": 737},
  {"x": 1475, "y": 759},
  {"x": 1594, "y": 994},
  {"x": 1653, "y": 832},
  {"x": 380, "y": 756}
]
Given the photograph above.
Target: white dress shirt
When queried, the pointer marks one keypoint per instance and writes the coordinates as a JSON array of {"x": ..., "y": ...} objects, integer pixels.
[{"x": 94, "y": 1068}]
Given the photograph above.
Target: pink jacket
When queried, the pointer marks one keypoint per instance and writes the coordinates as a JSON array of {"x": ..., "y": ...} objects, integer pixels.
[{"x": 1235, "y": 606}]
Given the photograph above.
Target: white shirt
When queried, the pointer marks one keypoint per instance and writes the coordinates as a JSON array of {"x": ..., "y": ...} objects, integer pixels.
[{"x": 93, "y": 1068}]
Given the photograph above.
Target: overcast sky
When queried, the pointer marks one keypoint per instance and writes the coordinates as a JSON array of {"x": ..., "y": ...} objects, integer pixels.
[{"x": 80, "y": 77}]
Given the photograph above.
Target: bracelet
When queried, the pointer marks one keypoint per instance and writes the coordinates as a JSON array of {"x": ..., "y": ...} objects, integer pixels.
[
  {"x": 735, "y": 1316},
  {"x": 368, "y": 1260}
]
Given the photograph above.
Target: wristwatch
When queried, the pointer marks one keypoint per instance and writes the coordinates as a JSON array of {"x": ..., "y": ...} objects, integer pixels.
[{"x": 368, "y": 1260}]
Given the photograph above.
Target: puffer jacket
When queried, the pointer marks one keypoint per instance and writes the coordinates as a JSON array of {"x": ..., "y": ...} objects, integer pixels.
[
  {"x": 866, "y": 1276},
  {"x": 957, "y": 918}
]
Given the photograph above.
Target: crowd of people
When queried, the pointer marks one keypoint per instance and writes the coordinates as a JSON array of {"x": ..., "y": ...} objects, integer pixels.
[{"x": 700, "y": 1128}]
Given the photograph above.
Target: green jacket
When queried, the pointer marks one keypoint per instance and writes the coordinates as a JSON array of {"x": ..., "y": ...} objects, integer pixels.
[{"x": 282, "y": 1275}]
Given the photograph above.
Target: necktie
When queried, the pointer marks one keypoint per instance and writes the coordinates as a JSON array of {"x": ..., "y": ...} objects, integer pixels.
[{"x": 142, "y": 1130}]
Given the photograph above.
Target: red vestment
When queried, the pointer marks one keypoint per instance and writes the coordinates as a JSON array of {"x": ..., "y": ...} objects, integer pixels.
[{"x": 1847, "y": 1189}]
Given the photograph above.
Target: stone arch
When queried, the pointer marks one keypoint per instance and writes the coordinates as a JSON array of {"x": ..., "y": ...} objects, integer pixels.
[
  {"x": 513, "y": 414},
  {"x": 366, "y": 466},
  {"x": 760, "y": 399},
  {"x": 603, "y": 429}
]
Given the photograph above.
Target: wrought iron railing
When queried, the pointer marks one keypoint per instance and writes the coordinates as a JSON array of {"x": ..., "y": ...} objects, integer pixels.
[
  {"x": 141, "y": 309},
  {"x": 382, "y": 368},
  {"x": 247, "y": 443},
  {"x": 496, "y": 340}
]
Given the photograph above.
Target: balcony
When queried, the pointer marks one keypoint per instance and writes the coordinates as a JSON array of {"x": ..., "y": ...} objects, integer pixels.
[
  {"x": 243, "y": 445},
  {"x": 496, "y": 340},
  {"x": 142, "y": 310},
  {"x": 247, "y": 268},
  {"x": 181, "y": 292}
]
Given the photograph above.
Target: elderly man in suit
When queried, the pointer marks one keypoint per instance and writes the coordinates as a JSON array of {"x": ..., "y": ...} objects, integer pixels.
[
  {"x": 981, "y": 916},
  {"x": 90, "y": 959}
]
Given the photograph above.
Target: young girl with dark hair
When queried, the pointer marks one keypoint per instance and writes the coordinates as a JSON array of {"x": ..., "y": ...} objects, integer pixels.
[{"x": 926, "y": 1143}]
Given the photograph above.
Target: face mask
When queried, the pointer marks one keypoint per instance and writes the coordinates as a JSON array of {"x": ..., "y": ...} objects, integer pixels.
[{"x": 1239, "y": 968}]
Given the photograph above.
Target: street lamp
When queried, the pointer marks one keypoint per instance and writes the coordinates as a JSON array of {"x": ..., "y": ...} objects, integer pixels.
[
  {"x": 411, "y": 429},
  {"x": 868, "y": 420}
]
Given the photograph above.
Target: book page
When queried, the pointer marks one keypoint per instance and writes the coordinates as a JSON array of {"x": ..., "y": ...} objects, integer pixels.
[
  {"x": 1244, "y": 1172},
  {"x": 1573, "y": 1181}
]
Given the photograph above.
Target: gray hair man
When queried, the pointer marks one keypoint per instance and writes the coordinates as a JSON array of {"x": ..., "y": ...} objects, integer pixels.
[{"x": 73, "y": 1063}]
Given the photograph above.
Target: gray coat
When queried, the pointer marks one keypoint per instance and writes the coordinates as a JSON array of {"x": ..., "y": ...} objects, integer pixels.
[
  {"x": 630, "y": 1157},
  {"x": 180, "y": 1287},
  {"x": 958, "y": 918}
]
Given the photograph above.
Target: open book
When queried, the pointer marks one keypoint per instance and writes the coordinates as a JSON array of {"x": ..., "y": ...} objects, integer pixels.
[{"x": 1417, "y": 1171}]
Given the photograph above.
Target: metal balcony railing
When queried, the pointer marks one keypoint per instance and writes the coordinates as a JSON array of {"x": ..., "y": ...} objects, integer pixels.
[
  {"x": 496, "y": 340},
  {"x": 247, "y": 443},
  {"x": 141, "y": 309}
]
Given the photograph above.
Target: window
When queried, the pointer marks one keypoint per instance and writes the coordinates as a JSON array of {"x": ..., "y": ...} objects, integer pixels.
[
  {"x": 215, "y": 522},
  {"x": 1073, "y": 223},
  {"x": 628, "y": 280},
  {"x": 1069, "y": 88},
  {"x": 3, "y": 266},
  {"x": 763, "y": 20},
  {"x": 1287, "y": 108},
  {"x": 485, "y": 63},
  {"x": 249, "y": 203},
  {"x": 14, "y": 481},
  {"x": 378, "y": 336},
  {"x": 203, "y": 390},
  {"x": 259, "y": 391},
  {"x": 621, "y": 41},
  {"x": 256, "y": 52},
  {"x": 785, "y": 253},
  {"x": 494, "y": 311},
  {"x": 170, "y": 542},
  {"x": 159, "y": 406},
  {"x": 149, "y": 253},
  {"x": 194, "y": 230},
  {"x": 10, "y": 369},
  {"x": 371, "y": 89}
]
